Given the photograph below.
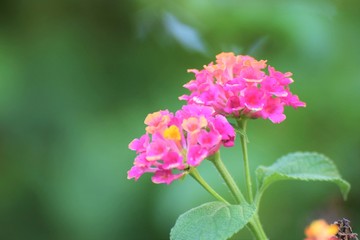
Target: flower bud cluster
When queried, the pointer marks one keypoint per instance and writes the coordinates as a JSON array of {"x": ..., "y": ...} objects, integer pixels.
[
  {"x": 175, "y": 142},
  {"x": 239, "y": 86}
]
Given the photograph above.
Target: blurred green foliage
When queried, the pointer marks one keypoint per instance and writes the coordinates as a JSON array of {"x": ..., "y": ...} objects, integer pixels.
[{"x": 77, "y": 79}]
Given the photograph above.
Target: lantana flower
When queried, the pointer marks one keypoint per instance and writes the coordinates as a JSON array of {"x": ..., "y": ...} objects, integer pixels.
[
  {"x": 241, "y": 86},
  {"x": 175, "y": 142},
  {"x": 321, "y": 230}
]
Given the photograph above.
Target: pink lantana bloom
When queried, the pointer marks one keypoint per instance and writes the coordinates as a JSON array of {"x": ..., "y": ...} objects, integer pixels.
[
  {"x": 242, "y": 87},
  {"x": 173, "y": 143}
]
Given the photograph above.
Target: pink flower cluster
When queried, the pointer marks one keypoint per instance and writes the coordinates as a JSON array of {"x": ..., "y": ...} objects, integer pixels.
[
  {"x": 238, "y": 86},
  {"x": 174, "y": 142}
]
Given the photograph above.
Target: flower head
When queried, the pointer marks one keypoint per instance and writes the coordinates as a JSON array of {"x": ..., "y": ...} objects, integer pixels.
[
  {"x": 321, "y": 230},
  {"x": 241, "y": 86},
  {"x": 174, "y": 142}
]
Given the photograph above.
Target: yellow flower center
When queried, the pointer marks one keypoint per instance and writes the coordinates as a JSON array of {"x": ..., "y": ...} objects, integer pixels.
[{"x": 172, "y": 133}]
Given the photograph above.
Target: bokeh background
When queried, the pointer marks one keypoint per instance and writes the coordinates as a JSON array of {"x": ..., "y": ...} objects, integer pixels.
[{"x": 77, "y": 79}]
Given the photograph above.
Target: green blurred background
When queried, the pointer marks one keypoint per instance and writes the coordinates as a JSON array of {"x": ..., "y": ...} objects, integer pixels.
[{"x": 77, "y": 79}]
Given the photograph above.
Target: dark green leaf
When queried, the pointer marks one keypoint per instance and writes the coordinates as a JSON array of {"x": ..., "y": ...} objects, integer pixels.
[
  {"x": 301, "y": 166},
  {"x": 212, "y": 221}
]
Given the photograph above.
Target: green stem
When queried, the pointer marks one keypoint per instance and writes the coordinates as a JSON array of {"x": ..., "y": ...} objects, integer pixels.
[
  {"x": 216, "y": 159},
  {"x": 254, "y": 225},
  {"x": 243, "y": 139},
  {"x": 196, "y": 175},
  {"x": 256, "y": 228}
]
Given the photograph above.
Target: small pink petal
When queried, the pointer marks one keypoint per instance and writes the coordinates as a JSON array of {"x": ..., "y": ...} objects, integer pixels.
[
  {"x": 156, "y": 150},
  {"x": 294, "y": 101},
  {"x": 192, "y": 110},
  {"x": 194, "y": 124},
  {"x": 252, "y": 75},
  {"x": 234, "y": 104},
  {"x": 136, "y": 172},
  {"x": 225, "y": 129},
  {"x": 173, "y": 160},
  {"x": 139, "y": 145},
  {"x": 196, "y": 154},
  {"x": 165, "y": 176},
  {"x": 253, "y": 98},
  {"x": 274, "y": 110},
  {"x": 209, "y": 139},
  {"x": 277, "y": 118},
  {"x": 157, "y": 121}
]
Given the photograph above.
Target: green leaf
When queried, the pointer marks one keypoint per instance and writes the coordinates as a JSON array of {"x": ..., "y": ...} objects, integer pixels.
[
  {"x": 212, "y": 221},
  {"x": 304, "y": 166}
]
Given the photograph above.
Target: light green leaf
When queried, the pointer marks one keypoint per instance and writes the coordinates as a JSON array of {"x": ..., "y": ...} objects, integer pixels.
[
  {"x": 304, "y": 166},
  {"x": 212, "y": 221}
]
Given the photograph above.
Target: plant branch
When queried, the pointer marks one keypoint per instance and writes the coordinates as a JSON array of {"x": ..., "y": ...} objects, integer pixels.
[
  {"x": 216, "y": 160},
  {"x": 243, "y": 138},
  {"x": 196, "y": 175}
]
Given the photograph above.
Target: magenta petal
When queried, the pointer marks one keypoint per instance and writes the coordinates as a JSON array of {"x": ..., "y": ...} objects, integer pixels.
[
  {"x": 156, "y": 150},
  {"x": 253, "y": 98},
  {"x": 233, "y": 104},
  {"x": 135, "y": 172},
  {"x": 193, "y": 110},
  {"x": 165, "y": 176},
  {"x": 220, "y": 84},
  {"x": 293, "y": 100},
  {"x": 140, "y": 161},
  {"x": 277, "y": 118},
  {"x": 226, "y": 130},
  {"x": 274, "y": 110},
  {"x": 251, "y": 74},
  {"x": 139, "y": 145},
  {"x": 209, "y": 139},
  {"x": 173, "y": 160},
  {"x": 196, "y": 154}
]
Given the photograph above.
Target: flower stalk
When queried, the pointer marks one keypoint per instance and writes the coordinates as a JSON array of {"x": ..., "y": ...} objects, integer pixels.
[
  {"x": 216, "y": 160},
  {"x": 256, "y": 228},
  {"x": 254, "y": 225},
  {"x": 243, "y": 138},
  {"x": 196, "y": 175}
]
